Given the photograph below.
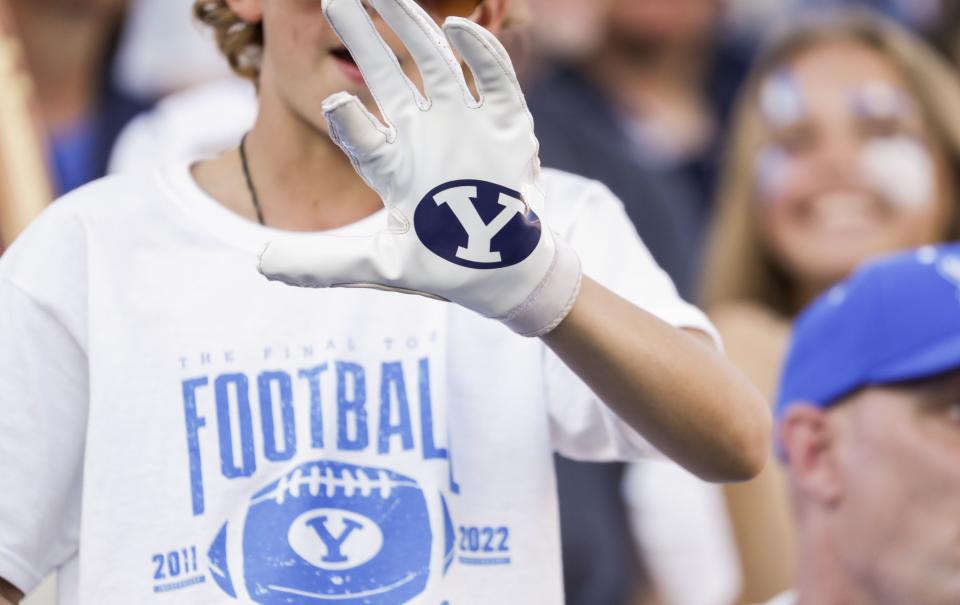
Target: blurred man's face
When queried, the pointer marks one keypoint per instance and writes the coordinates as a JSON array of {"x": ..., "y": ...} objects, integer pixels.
[
  {"x": 664, "y": 21},
  {"x": 897, "y": 521}
]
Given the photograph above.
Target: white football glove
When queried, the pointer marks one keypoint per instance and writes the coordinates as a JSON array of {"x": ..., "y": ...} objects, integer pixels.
[{"x": 459, "y": 178}]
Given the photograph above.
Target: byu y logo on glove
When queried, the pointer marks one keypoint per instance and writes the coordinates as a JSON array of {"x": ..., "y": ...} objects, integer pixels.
[
  {"x": 434, "y": 244},
  {"x": 498, "y": 229}
]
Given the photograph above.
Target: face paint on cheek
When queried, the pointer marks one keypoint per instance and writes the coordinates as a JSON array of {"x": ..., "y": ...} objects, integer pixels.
[
  {"x": 771, "y": 169},
  {"x": 781, "y": 101},
  {"x": 879, "y": 100},
  {"x": 900, "y": 167}
]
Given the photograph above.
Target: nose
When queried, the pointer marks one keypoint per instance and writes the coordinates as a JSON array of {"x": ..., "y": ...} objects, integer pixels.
[{"x": 838, "y": 155}]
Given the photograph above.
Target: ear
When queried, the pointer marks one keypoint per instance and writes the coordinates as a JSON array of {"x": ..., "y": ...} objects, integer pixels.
[
  {"x": 809, "y": 443},
  {"x": 491, "y": 15},
  {"x": 250, "y": 11}
]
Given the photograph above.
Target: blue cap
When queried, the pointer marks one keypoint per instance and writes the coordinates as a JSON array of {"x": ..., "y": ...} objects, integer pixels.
[{"x": 895, "y": 319}]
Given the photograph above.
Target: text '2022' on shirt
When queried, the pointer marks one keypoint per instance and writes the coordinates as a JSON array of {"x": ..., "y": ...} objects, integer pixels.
[{"x": 176, "y": 429}]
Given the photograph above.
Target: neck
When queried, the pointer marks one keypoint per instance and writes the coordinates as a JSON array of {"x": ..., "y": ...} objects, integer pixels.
[
  {"x": 65, "y": 51},
  {"x": 822, "y": 577},
  {"x": 806, "y": 292},
  {"x": 304, "y": 182}
]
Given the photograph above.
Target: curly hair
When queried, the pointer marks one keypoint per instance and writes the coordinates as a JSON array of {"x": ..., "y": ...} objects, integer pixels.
[{"x": 239, "y": 41}]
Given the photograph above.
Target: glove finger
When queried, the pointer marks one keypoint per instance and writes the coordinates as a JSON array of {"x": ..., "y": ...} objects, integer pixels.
[
  {"x": 379, "y": 66},
  {"x": 353, "y": 128},
  {"x": 488, "y": 61},
  {"x": 326, "y": 260},
  {"x": 428, "y": 46}
]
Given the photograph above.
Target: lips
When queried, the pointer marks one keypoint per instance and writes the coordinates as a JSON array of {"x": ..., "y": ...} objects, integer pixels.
[
  {"x": 342, "y": 54},
  {"x": 844, "y": 211},
  {"x": 347, "y": 65}
]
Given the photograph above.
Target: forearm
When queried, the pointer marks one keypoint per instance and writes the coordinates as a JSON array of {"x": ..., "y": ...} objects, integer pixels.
[
  {"x": 8, "y": 594},
  {"x": 24, "y": 183},
  {"x": 673, "y": 387}
]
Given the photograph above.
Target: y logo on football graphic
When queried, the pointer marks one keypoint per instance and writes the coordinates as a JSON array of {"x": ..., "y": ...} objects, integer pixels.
[
  {"x": 329, "y": 532},
  {"x": 335, "y": 539},
  {"x": 477, "y": 224}
]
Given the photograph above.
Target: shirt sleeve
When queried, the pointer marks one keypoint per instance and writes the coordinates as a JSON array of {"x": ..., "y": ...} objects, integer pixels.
[
  {"x": 582, "y": 426},
  {"x": 43, "y": 411}
]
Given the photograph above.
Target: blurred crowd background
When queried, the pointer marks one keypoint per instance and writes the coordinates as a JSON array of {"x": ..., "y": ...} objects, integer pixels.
[{"x": 742, "y": 136}]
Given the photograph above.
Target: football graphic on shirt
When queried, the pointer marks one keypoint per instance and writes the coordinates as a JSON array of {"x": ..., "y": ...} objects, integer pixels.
[{"x": 330, "y": 532}]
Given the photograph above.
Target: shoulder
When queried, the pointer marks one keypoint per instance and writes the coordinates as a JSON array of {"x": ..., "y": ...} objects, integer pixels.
[
  {"x": 748, "y": 320},
  {"x": 50, "y": 262},
  {"x": 104, "y": 196},
  {"x": 88, "y": 199},
  {"x": 170, "y": 131},
  {"x": 569, "y": 196},
  {"x": 60, "y": 233},
  {"x": 554, "y": 179},
  {"x": 588, "y": 215}
]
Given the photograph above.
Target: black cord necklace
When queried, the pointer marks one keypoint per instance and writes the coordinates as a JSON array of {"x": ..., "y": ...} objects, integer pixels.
[{"x": 246, "y": 176}]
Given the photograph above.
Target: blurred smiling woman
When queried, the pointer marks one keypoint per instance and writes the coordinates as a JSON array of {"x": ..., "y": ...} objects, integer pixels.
[{"x": 846, "y": 146}]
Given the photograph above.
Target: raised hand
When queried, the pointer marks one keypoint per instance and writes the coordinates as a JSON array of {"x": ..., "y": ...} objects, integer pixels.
[{"x": 457, "y": 174}]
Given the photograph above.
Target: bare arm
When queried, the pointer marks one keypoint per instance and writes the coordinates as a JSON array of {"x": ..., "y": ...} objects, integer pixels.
[
  {"x": 24, "y": 183},
  {"x": 670, "y": 385},
  {"x": 756, "y": 343},
  {"x": 8, "y": 594}
]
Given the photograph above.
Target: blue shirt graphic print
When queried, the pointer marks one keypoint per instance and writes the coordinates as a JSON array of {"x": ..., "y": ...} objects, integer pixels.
[
  {"x": 328, "y": 517},
  {"x": 331, "y": 531}
]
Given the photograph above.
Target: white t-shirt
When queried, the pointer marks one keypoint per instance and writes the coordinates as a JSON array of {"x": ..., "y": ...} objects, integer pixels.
[
  {"x": 683, "y": 530},
  {"x": 787, "y": 598},
  {"x": 197, "y": 123},
  {"x": 176, "y": 429}
]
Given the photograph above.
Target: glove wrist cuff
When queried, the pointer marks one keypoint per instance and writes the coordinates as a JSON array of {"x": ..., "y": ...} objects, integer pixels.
[{"x": 552, "y": 299}]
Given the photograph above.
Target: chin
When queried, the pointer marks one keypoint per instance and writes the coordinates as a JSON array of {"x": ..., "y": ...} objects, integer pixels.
[
  {"x": 833, "y": 261},
  {"x": 824, "y": 270},
  {"x": 312, "y": 119}
]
